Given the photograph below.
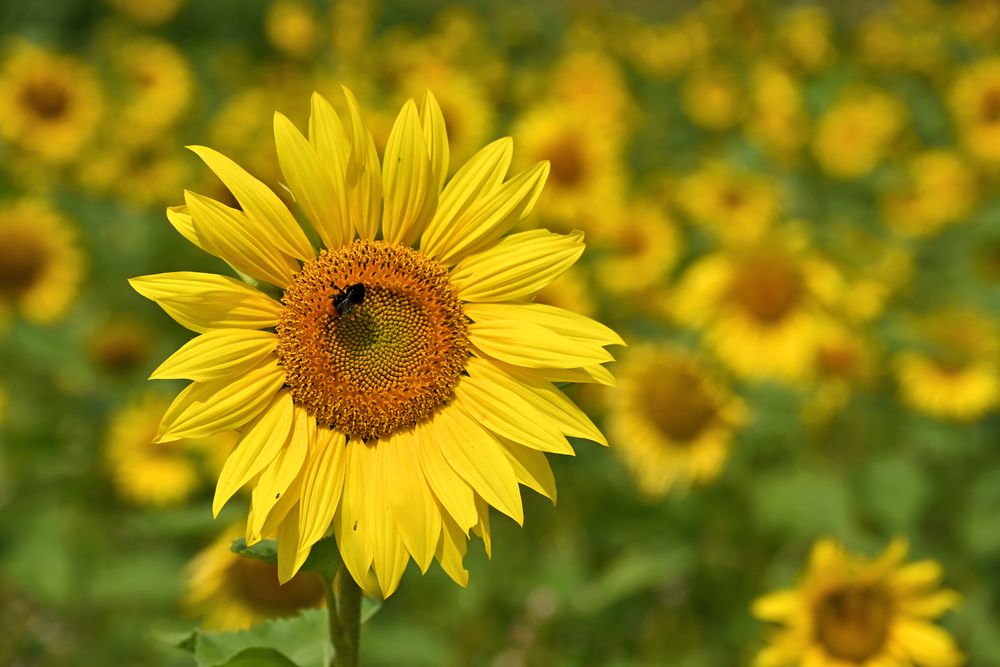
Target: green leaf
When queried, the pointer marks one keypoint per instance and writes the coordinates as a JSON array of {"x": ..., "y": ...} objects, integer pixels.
[
  {"x": 632, "y": 573},
  {"x": 804, "y": 503},
  {"x": 301, "y": 641},
  {"x": 323, "y": 558},
  {"x": 265, "y": 550},
  {"x": 895, "y": 493}
]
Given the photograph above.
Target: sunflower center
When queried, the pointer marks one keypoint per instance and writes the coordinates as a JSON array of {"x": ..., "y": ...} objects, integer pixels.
[
  {"x": 566, "y": 162},
  {"x": 852, "y": 623},
  {"x": 677, "y": 404},
  {"x": 990, "y": 108},
  {"x": 838, "y": 360},
  {"x": 47, "y": 99},
  {"x": 256, "y": 583},
  {"x": 23, "y": 258},
  {"x": 384, "y": 360},
  {"x": 768, "y": 287}
]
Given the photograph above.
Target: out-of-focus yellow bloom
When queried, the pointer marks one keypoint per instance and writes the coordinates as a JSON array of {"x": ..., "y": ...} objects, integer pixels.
[
  {"x": 736, "y": 205},
  {"x": 231, "y": 592},
  {"x": 148, "y": 474},
  {"x": 778, "y": 122},
  {"x": 975, "y": 104},
  {"x": 976, "y": 20},
  {"x": 671, "y": 420},
  {"x": 854, "y": 134},
  {"x": 147, "y": 12},
  {"x": 49, "y": 103},
  {"x": 761, "y": 308},
  {"x": 351, "y": 22},
  {"x": 712, "y": 98},
  {"x": 569, "y": 291},
  {"x": 874, "y": 269},
  {"x": 844, "y": 360},
  {"x": 882, "y": 41},
  {"x": 643, "y": 246},
  {"x": 41, "y": 264},
  {"x": 955, "y": 374},
  {"x": 119, "y": 346},
  {"x": 661, "y": 51},
  {"x": 145, "y": 175},
  {"x": 939, "y": 190},
  {"x": 585, "y": 184},
  {"x": 292, "y": 27},
  {"x": 851, "y": 611},
  {"x": 805, "y": 35},
  {"x": 591, "y": 83},
  {"x": 154, "y": 84}
]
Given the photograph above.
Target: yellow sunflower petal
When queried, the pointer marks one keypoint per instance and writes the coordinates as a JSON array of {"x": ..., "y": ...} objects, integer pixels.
[
  {"x": 205, "y": 301},
  {"x": 926, "y": 644},
  {"x": 531, "y": 468},
  {"x": 559, "y": 320},
  {"x": 410, "y": 193},
  {"x": 290, "y": 558},
  {"x": 277, "y": 514},
  {"x": 389, "y": 556},
  {"x": 257, "y": 448},
  {"x": 548, "y": 401},
  {"x": 206, "y": 408},
  {"x": 451, "y": 551},
  {"x": 411, "y": 500},
  {"x": 363, "y": 174},
  {"x": 931, "y": 605},
  {"x": 181, "y": 220},
  {"x": 477, "y": 178},
  {"x": 227, "y": 233},
  {"x": 435, "y": 137},
  {"x": 327, "y": 136},
  {"x": 594, "y": 373},
  {"x": 475, "y": 455},
  {"x": 778, "y": 606},
  {"x": 217, "y": 354},
  {"x": 516, "y": 267},
  {"x": 323, "y": 200},
  {"x": 322, "y": 485},
  {"x": 351, "y": 522},
  {"x": 482, "y": 529},
  {"x": 533, "y": 346},
  {"x": 494, "y": 215},
  {"x": 451, "y": 491},
  {"x": 507, "y": 414},
  {"x": 279, "y": 474},
  {"x": 273, "y": 220}
]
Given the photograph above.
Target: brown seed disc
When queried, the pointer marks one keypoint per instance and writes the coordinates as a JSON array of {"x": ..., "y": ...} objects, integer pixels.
[{"x": 387, "y": 363}]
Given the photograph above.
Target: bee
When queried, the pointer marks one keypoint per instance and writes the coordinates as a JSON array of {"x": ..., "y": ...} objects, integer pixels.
[{"x": 349, "y": 297}]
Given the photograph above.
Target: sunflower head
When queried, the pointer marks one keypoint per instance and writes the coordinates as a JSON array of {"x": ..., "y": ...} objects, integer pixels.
[{"x": 403, "y": 382}]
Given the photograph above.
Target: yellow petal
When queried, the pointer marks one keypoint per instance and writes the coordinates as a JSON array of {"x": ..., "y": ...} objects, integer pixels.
[
  {"x": 279, "y": 474},
  {"x": 262, "y": 206},
  {"x": 322, "y": 485},
  {"x": 778, "y": 606},
  {"x": 502, "y": 410},
  {"x": 328, "y": 138},
  {"x": 217, "y": 354},
  {"x": 407, "y": 182},
  {"x": 516, "y": 267},
  {"x": 451, "y": 551},
  {"x": 412, "y": 502},
  {"x": 548, "y": 401},
  {"x": 931, "y": 605},
  {"x": 323, "y": 199},
  {"x": 206, "y": 408},
  {"x": 290, "y": 559},
  {"x": 205, "y": 301},
  {"x": 559, "y": 320},
  {"x": 482, "y": 529},
  {"x": 476, "y": 455},
  {"x": 363, "y": 174},
  {"x": 352, "y": 521},
  {"x": 257, "y": 448},
  {"x": 533, "y": 346},
  {"x": 277, "y": 514},
  {"x": 478, "y": 178},
  {"x": 435, "y": 138},
  {"x": 594, "y": 373},
  {"x": 926, "y": 643},
  {"x": 531, "y": 468},
  {"x": 229, "y": 234},
  {"x": 449, "y": 488},
  {"x": 389, "y": 556},
  {"x": 180, "y": 218},
  {"x": 494, "y": 215}
]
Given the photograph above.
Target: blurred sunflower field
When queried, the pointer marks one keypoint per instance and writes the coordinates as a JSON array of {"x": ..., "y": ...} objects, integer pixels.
[{"x": 791, "y": 217}]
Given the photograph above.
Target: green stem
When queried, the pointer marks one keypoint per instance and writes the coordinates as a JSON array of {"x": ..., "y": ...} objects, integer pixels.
[{"x": 343, "y": 602}]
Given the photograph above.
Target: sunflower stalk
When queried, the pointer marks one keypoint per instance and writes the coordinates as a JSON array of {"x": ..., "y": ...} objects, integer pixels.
[{"x": 343, "y": 601}]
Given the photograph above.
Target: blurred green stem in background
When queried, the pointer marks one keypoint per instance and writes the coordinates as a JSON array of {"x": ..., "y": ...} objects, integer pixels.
[{"x": 343, "y": 601}]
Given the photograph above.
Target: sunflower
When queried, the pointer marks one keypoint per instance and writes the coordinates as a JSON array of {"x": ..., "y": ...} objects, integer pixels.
[
  {"x": 119, "y": 346},
  {"x": 975, "y": 105},
  {"x": 49, "y": 104},
  {"x": 147, "y": 12},
  {"x": 147, "y": 473},
  {"x": 955, "y": 374},
  {"x": 854, "y": 134},
  {"x": 402, "y": 384},
  {"x": 232, "y": 593},
  {"x": 671, "y": 420},
  {"x": 761, "y": 307},
  {"x": 778, "y": 121},
  {"x": 40, "y": 262},
  {"x": 644, "y": 245},
  {"x": 939, "y": 189},
  {"x": 848, "y": 610},
  {"x": 711, "y": 97},
  {"x": 805, "y": 35},
  {"x": 292, "y": 28},
  {"x": 844, "y": 361},
  {"x": 736, "y": 205}
]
